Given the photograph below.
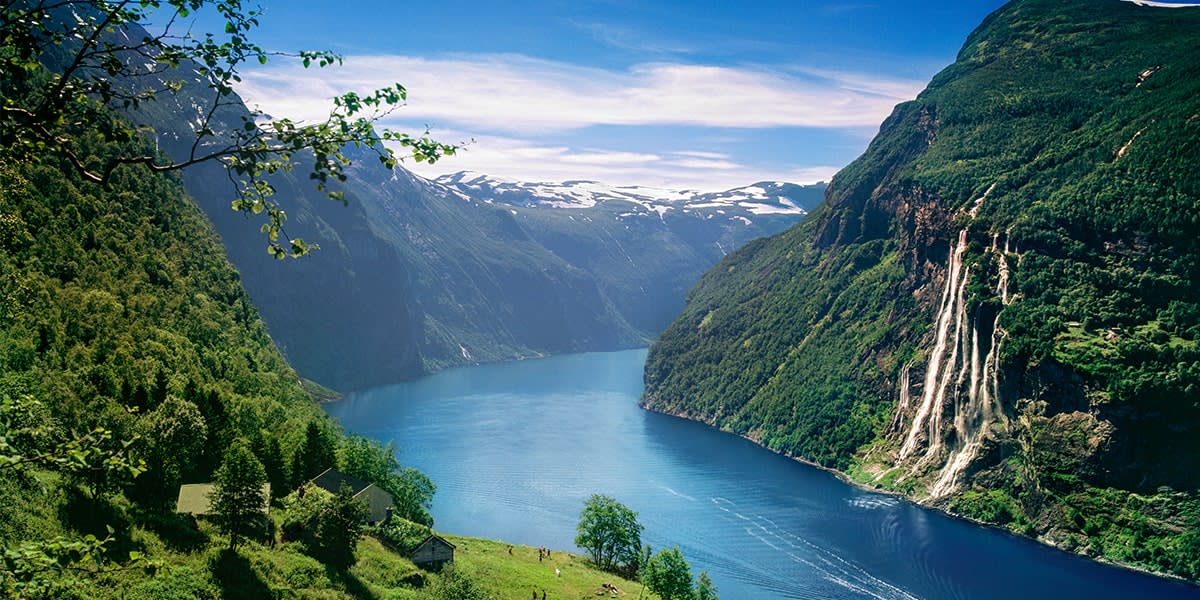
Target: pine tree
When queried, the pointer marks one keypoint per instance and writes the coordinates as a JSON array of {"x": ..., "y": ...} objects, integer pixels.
[
  {"x": 316, "y": 454},
  {"x": 705, "y": 590},
  {"x": 237, "y": 497}
]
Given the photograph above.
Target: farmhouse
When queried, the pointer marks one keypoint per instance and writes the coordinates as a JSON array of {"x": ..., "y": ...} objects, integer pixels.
[
  {"x": 378, "y": 502},
  {"x": 433, "y": 553}
]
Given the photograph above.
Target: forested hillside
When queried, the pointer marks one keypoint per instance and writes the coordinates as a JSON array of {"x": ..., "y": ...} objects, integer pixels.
[
  {"x": 132, "y": 361},
  {"x": 995, "y": 311}
]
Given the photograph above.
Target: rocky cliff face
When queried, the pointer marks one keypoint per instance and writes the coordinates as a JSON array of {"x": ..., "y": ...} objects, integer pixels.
[{"x": 995, "y": 310}]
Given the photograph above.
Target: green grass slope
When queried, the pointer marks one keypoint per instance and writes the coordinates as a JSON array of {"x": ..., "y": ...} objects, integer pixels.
[
  {"x": 1078, "y": 125},
  {"x": 515, "y": 576}
]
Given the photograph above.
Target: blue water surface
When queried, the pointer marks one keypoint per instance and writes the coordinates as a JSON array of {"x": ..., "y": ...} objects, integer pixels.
[{"x": 516, "y": 448}]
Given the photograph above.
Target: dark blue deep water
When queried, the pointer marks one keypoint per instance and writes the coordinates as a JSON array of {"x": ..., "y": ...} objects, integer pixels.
[{"x": 516, "y": 448}]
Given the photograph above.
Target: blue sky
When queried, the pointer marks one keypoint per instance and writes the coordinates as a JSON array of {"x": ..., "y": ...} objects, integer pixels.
[{"x": 699, "y": 95}]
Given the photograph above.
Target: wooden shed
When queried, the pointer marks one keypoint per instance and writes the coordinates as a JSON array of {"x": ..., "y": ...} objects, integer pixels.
[
  {"x": 377, "y": 501},
  {"x": 433, "y": 553}
]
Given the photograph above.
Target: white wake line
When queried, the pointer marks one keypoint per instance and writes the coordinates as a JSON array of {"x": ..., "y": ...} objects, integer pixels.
[
  {"x": 841, "y": 574},
  {"x": 847, "y": 568},
  {"x": 1161, "y": 4},
  {"x": 671, "y": 491}
]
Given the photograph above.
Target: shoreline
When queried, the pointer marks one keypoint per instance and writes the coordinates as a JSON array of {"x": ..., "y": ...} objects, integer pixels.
[{"x": 844, "y": 478}]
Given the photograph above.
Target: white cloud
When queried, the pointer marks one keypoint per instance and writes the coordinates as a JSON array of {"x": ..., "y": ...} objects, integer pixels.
[
  {"x": 524, "y": 160},
  {"x": 628, "y": 38},
  {"x": 705, "y": 163},
  {"x": 607, "y": 157},
  {"x": 508, "y": 103},
  {"x": 517, "y": 94},
  {"x": 701, "y": 154}
]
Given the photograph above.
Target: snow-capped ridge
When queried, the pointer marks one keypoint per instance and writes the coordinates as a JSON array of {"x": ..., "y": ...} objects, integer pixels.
[{"x": 761, "y": 198}]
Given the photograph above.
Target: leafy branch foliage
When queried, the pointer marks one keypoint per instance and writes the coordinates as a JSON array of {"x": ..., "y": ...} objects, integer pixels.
[
  {"x": 28, "y": 441},
  {"x": 71, "y": 65}
]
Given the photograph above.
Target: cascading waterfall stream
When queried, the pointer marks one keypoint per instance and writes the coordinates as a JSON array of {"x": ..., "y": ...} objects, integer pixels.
[
  {"x": 974, "y": 418},
  {"x": 938, "y": 373},
  {"x": 962, "y": 378}
]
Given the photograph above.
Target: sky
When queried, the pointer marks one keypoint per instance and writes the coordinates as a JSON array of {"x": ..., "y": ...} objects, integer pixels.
[{"x": 682, "y": 94}]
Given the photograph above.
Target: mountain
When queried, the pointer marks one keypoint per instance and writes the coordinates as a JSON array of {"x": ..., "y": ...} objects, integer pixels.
[
  {"x": 995, "y": 309},
  {"x": 762, "y": 198},
  {"x": 416, "y": 275}
]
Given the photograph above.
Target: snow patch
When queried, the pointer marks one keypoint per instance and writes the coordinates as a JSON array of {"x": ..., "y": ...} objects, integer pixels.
[
  {"x": 1161, "y": 4},
  {"x": 771, "y": 209}
]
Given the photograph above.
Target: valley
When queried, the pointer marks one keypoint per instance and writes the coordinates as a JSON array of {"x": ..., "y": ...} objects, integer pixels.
[{"x": 975, "y": 344}]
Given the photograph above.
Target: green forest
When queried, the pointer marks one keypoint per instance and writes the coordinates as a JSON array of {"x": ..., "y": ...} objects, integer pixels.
[
  {"x": 126, "y": 330},
  {"x": 1065, "y": 141},
  {"x": 132, "y": 361},
  {"x": 134, "y": 366}
]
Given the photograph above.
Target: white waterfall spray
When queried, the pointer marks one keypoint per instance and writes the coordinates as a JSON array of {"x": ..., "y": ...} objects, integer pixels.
[
  {"x": 926, "y": 425},
  {"x": 976, "y": 414},
  {"x": 962, "y": 378}
]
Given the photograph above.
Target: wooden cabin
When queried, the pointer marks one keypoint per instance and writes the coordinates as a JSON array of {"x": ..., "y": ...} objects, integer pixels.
[
  {"x": 433, "y": 553},
  {"x": 378, "y": 502}
]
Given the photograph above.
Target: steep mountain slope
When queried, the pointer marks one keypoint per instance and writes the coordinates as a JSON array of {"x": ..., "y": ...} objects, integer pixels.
[
  {"x": 643, "y": 246},
  {"x": 131, "y": 361},
  {"x": 995, "y": 311},
  {"x": 414, "y": 276},
  {"x": 119, "y": 311},
  {"x": 117, "y": 298}
]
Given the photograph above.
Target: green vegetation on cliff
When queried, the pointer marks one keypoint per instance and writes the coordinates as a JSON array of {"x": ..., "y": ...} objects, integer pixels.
[{"x": 995, "y": 310}]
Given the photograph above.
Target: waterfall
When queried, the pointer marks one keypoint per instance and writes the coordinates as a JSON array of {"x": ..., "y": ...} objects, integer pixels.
[
  {"x": 961, "y": 392},
  {"x": 905, "y": 400},
  {"x": 937, "y": 374}
]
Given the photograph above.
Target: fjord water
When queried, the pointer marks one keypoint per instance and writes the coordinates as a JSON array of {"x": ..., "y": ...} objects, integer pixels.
[{"x": 516, "y": 448}]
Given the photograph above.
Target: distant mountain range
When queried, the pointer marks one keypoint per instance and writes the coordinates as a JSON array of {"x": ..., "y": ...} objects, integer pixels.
[
  {"x": 415, "y": 275},
  {"x": 763, "y": 198}
]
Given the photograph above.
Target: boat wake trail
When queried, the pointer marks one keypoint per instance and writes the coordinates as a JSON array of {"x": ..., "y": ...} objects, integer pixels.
[
  {"x": 671, "y": 491},
  {"x": 828, "y": 564}
]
